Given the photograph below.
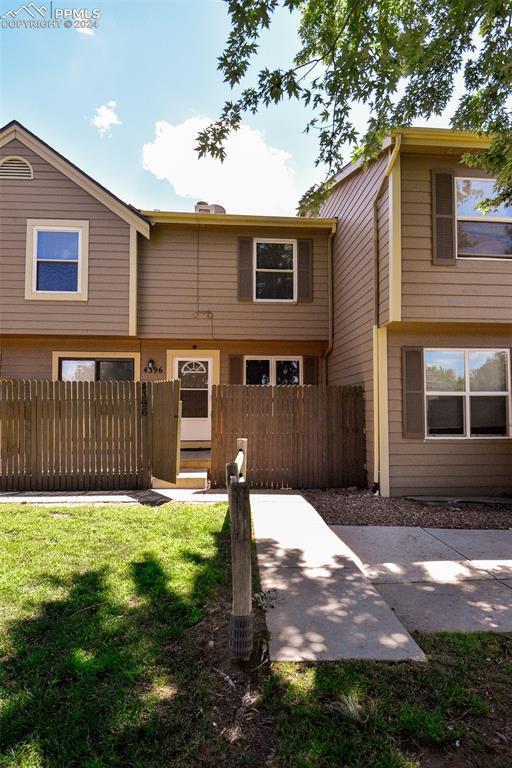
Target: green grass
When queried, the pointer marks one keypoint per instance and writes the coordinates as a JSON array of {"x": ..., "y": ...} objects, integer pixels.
[
  {"x": 97, "y": 669},
  {"x": 106, "y": 662},
  {"x": 385, "y": 715}
]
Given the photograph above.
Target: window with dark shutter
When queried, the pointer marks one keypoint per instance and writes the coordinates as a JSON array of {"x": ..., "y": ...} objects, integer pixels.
[
  {"x": 413, "y": 426},
  {"x": 310, "y": 375},
  {"x": 236, "y": 369},
  {"x": 443, "y": 218},
  {"x": 245, "y": 269},
  {"x": 305, "y": 270}
]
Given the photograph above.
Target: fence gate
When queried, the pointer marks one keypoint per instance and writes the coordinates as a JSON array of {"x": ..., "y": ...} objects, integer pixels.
[
  {"x": 79, "y": 436},
  {"x": 298, "y": 437}
]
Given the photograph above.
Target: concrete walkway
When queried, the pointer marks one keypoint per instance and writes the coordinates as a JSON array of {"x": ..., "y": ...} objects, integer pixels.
[
  {"x": 437, "y": 579},
  {"x": 325, "y": 608}
]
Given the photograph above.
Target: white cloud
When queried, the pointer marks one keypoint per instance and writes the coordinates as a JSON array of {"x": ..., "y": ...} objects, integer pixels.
[
  {"x": 85, "y": 30},
  {"x": 254, "y": 178},
  {"x": 105, "y": 117}
]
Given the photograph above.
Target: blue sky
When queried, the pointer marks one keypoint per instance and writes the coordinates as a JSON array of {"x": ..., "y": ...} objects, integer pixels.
[{"x": 158, "y": 62}]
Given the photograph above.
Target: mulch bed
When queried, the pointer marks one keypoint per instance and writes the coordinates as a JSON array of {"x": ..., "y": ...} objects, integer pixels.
[{"x": 343, "y": 507}]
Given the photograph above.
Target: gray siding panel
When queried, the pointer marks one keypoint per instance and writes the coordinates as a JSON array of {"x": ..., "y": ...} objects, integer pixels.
[
  {"x": 471, "y": 290},
  {"x": 188, "y": 288},
  {"x": 384, "y": 257},
  {"x": 351, "y": 361},
  {"x": 51, "y": 195}
]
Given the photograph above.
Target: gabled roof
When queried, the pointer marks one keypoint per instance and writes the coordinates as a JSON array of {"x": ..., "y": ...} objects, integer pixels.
[
  {"x": 15, "y": 130},
  {"x": 423, "y": 140}
]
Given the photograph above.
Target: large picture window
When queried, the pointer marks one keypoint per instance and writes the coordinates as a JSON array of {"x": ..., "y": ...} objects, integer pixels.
[
  {"x": 273, "y": 370},
  {"x": 57, "y": 255},
  {"x": 467, "y": 392},
  {"x": 96, "y": 369},
  {"x": 275, "y": 265},
  {"x": 480, "y": 235}
]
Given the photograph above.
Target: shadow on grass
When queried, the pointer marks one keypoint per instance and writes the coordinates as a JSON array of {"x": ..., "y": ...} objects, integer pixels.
[
  {"x": 360, "y": 714},
  {"x": 91, "y": 682}
]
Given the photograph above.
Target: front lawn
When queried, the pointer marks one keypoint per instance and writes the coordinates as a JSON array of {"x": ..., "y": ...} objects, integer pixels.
[
  {"x": 453, "y": 712},
  {"x": 113, "y": 634},
  {"x": 94, "y": 605}
]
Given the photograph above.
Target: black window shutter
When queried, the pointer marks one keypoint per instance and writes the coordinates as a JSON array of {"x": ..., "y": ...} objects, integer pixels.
[
  {"x": 236, "y": 369},
  {"x": 443, "y": 218},
  {"x": 310, "y": 372},
  {"x": 413, "y": 396},
  {"x": 245, "y": 269},
  {"x": 305, "y": 270}
]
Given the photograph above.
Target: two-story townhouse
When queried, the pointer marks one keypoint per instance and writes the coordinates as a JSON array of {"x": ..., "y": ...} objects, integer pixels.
[
  {"x": 92, "y": 288},
  {"x": 423, "y": 315}
]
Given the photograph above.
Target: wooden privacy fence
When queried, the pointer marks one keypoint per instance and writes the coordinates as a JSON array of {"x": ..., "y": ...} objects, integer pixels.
[
  {"x": 76, "y": 436},
  {"x": 299, "y": 437}
]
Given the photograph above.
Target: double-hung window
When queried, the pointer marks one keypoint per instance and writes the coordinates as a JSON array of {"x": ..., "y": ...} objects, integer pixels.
[
  {"x": 479, "y": 235},
  {"x": 57, "y": 256},
  {"x": 467, "y": 392},
  {"x": 273, "y": 370},
  {"x": 275, "y": 270}
]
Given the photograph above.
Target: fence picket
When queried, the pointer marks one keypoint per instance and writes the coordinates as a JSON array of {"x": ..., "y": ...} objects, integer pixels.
[
  {"x": 76, "y": 436},
  {"x": 301, "y": 437}
]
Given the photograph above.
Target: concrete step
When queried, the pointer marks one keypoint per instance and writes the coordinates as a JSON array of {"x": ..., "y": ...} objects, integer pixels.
[{"x": 191, "y": 478}]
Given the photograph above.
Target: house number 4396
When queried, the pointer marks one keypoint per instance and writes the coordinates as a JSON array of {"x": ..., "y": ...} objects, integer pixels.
[{"x": 153, "y": 369}]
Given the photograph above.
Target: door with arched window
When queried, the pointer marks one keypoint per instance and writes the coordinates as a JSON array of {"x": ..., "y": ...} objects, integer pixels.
[{"x": 195, "y": 375}]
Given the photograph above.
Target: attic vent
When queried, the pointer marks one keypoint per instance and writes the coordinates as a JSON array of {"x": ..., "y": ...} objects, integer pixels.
[{"x": 15, "y": 168}]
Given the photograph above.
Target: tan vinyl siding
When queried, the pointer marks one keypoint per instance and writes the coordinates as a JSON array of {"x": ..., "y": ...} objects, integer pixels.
[
  {"x": 51, "y": 195},
  {"x": 384, "y": 259},
  {"x": 188, "y": 288},
  {"x": 443, "y": 466},
  {"x": 31, "y": 357},
  {"x": 351, "y": 361},
  {"x": 472, "y": 290}
]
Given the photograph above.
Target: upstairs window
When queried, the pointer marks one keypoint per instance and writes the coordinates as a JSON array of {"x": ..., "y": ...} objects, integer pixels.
[
  {"x": 57, "y": 260},
  {"x": 467, "y": 392},
  {"x": 479, "y": 235},
  {"x": 275, "y": 270}
]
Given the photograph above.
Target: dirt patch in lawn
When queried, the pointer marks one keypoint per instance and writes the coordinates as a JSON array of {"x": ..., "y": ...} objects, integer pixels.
[
  {"x": 236, "y": 706},
  {"x": 341, "y": 507},
  {"x": 453, "y": 712}
]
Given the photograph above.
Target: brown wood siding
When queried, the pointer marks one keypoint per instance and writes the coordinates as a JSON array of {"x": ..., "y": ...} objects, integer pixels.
[
  {"x": 471, "y": 290},
  {"x": 383, "y": 245},
  {"x": 351, "y": 361},
  {"x": 31, "y": 357},
  {"x": 51, "y": 195},
  {"x": 439, "y": 466},
  {"x": 188, "y": 288}
]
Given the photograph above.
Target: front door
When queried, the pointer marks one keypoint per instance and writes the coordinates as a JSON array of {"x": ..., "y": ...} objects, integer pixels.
[{"x": 195, "y": 374}]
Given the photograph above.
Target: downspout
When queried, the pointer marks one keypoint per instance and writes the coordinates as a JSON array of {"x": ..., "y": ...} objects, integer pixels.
[
  {"x": 330, "y": 298},
  {"x": 377, "y": 382}
]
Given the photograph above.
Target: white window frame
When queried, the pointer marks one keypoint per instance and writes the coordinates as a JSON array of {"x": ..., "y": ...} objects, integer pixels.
[
  {"x": 57, "y": 225},
  {"x": 487, "y": 218},
  {"x": 466, "y": 394},
  {"x": 255, "y": 269},
  {"x": 273, "y": 360}
]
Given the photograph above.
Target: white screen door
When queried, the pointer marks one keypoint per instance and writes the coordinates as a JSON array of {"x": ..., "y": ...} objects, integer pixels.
[{"x": 195, "y": 374}]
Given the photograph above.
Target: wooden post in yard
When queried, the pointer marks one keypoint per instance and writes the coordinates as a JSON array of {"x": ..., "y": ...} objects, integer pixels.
[{"x": 241, "y": 621}]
